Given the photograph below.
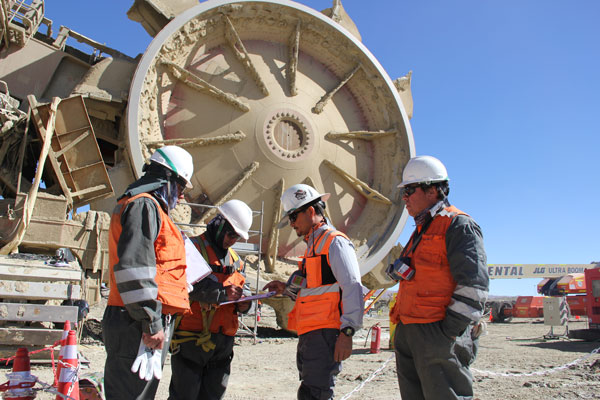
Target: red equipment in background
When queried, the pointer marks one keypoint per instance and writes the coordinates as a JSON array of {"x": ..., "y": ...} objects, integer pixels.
[
  {"x": 533, "y": 306},
  {"x": 592, "y": 307},
  {"x": 375, "y": 338},
  {"x": 523, "y": 307},
  {"x": 529, "y": 307},
  {"x": 577, "y": 304},
  {"x": 592, "y": 282},
  {"x": 579, "y": 284}
]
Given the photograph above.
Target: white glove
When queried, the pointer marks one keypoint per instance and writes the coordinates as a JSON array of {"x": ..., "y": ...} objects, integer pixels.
[
  {"x": 141, "y": 363},
  {"x": 155, "y": 365}
]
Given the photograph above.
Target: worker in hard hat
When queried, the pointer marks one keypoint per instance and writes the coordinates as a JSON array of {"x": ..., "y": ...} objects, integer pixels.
[
  {"x": 327, "y": 291},
  {"x": 202, "y": 347},
  {"x": 148, "y": 285},
  {"x": 443, "y": 287}
]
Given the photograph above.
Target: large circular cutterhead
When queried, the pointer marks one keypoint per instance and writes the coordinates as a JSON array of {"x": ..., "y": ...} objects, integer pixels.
[{"x": 268, "y": 94}]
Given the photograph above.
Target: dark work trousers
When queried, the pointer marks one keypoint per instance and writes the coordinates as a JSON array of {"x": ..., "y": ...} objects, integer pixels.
[
  {"x": 122, "y": 337},
  {"x": 431, "y": 365},
  {"x": 316, "y": 365},
  {"x": 198, "y": 374}
]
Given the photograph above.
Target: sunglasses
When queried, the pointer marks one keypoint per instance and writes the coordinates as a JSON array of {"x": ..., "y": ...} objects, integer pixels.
[
  {"x": 294, "y": 215},
  {"x": 409, "y": 190},
  {"x": 181, "y": 186}
]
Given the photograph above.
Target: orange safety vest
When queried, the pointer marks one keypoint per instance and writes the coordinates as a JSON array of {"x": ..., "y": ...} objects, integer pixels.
[
  {"x": 225, "y": 319},
  {"x": 424, "y": 298},
  {"x": 169, "y": 250},
  {"x": 318, "y": 306}
]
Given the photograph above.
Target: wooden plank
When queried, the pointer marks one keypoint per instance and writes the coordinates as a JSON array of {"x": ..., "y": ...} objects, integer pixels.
[
  {"x": 39, "y": 290},
  {"x": 88, "y": 190},
  {"x": 41, "y": 128},
  {"x": 37, "y": 312},
  {"x": 34, "y": 270},
  {"x": 74, "y": 142},
  {"x": 29, "y": 336},
  {"x": 39, "y": 358}
]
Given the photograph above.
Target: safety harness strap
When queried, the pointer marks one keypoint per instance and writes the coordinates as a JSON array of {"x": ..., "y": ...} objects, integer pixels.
[{"x": 201, "y": 338}]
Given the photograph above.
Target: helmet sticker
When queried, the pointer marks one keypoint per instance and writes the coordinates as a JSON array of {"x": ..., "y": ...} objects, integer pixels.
[{"x": 300, "y": 194}]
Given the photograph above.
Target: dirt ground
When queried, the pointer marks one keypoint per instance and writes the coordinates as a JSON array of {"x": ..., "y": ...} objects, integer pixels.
[{"x": 515, "y": 361}]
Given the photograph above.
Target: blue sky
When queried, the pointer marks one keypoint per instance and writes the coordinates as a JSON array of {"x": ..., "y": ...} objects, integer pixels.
[{"x": 506, "y": 94}]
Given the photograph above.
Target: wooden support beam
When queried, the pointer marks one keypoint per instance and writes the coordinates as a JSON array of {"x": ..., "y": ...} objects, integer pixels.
[
  {"x": 46, "y": 133},
  {"x": 30, "y": 270},
  {"x": 22, "y": 336},
  {"x": 88, "y": 190},
  {"x": 73, "y": 143},
  {"x": 39, "y": 290},
  {"x": 37, "y": 312},
  {"x": 40, "y": 357}
]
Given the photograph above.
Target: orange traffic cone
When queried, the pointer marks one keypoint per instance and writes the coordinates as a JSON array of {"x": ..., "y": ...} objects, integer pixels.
[
  {"x": 68, "y": 380},
  {"x": 63, "y": 343},
  {"x": 20, "y": 380}
]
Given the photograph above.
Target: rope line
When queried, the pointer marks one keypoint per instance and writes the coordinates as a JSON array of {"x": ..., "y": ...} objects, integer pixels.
[
  {"x": 373, "y": 375},
  {"x": 543, "y": 372},
  {"x": 491, "y": 373},
  {"x": 45, "y": 387}
]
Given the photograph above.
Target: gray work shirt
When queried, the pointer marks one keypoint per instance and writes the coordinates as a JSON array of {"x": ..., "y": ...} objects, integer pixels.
[{"x": 136, "y": 269}]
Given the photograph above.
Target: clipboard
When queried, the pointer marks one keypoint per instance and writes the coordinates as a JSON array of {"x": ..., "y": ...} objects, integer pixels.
[
  {"x": 250, "y": 298},
  {"x": 197, "y": 267}
]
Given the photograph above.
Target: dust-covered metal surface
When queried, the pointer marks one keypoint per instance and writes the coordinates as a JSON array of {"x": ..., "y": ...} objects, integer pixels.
[
  {"x": 264, "y": 94},
  {"x": 313, "y": 106},
  {"x": 74, "y": 155}
]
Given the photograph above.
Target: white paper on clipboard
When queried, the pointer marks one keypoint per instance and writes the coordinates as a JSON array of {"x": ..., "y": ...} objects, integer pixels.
[{"x": 197, "y": 267}]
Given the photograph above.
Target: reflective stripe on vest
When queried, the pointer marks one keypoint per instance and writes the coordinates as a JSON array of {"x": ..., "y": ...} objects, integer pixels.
[
  {"x": 424, "y": 299},
  {"x": 317, "y": 306},
  {"x": 225, "y": 319},
  {"x": 169, "y": 273}
]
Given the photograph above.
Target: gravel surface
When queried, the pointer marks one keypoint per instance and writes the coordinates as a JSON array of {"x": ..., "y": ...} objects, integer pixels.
[{"x": 516, "y": 360}]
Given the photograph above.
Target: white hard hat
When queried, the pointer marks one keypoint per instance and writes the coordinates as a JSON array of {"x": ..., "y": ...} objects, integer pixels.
[
  {"x": 238, "y": 214},
  {"x": 423, "y": 169},
  {"x": 297, "y": 196},
  {"x": 177, "y": 160}
]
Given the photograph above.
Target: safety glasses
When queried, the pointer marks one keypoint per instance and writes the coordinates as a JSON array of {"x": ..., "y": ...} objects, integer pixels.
[
  {"x": 294, "y": 215},
  {"x": 181, "y": 185},
  {"x": 409, "y": 190}
]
